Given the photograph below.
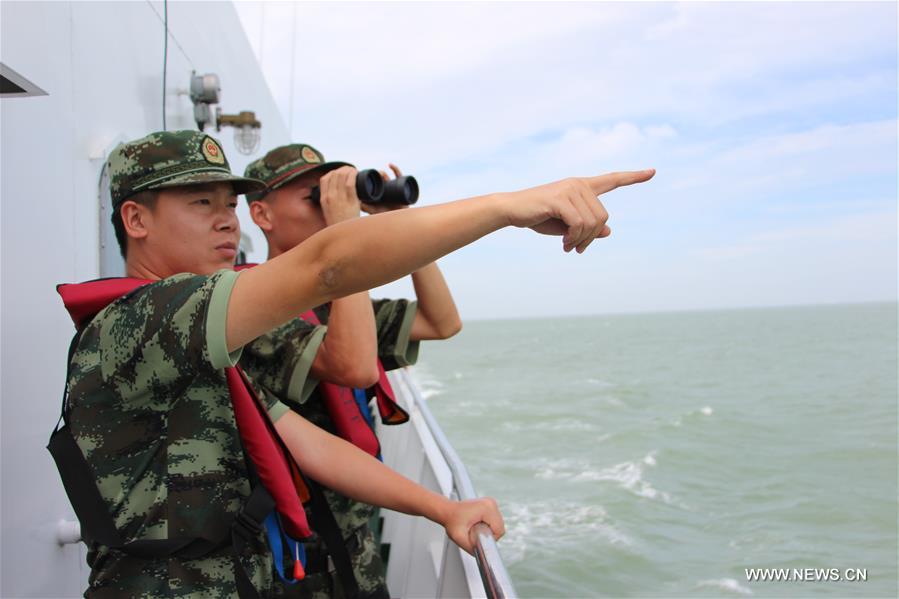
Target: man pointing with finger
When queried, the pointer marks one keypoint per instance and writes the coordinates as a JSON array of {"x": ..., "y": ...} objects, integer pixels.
[{"x": 149, "y": 405}]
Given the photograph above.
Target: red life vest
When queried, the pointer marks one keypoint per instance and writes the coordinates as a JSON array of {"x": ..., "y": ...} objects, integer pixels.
[
  {"x": 277, "y": 470},
  {"x": 343, "y": 409},
  {"x": 346, "y": 413}
]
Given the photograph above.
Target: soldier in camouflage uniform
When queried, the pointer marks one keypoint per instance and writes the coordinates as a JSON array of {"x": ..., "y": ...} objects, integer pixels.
[
  {"x": 287, "y": 217},
  {"x": 149, "y": 402},
  {"x": 149, "y": 405}
]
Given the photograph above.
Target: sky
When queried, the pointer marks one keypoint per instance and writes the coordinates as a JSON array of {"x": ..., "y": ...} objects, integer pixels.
[{"x": 773, "y": 128}]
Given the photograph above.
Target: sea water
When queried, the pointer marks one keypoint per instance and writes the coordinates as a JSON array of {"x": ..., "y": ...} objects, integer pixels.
[{"x": 666, "y": 454}]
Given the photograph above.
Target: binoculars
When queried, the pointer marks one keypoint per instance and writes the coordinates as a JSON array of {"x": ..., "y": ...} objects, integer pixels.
[{"x": 373, "y": 189}]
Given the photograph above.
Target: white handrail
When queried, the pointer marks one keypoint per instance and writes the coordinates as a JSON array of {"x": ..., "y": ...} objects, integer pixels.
[{"x": 497, "y": 583}]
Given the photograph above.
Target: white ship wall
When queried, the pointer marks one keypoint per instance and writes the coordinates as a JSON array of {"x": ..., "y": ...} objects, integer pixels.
[{"x": 101, "y": 64}]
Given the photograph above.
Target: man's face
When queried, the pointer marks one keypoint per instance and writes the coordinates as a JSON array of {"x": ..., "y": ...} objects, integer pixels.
[
  {"x": 293, "y": 216},
  {"x": 193, "y": 229}
]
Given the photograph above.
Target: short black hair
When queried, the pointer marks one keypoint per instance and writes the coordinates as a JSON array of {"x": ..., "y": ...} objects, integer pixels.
[{"x": 144, "y": 198}]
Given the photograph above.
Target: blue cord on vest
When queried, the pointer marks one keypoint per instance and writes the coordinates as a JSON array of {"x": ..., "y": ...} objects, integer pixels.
[
  {"x": 278, "y": 541},
  {"x": 362, "y": 401}
]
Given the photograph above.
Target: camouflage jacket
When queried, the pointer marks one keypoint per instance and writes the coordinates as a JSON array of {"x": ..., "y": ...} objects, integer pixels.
[
  {"x": 278, "y": 360},
  {"x": 151, "y": 411}
]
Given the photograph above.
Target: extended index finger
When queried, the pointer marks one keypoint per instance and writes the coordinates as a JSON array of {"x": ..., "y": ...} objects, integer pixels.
[{"x": 604, "y": 183}]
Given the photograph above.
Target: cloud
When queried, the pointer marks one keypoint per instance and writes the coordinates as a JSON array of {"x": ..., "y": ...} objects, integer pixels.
[
  {"x": 772, "y": 126},
  {"x": 604, "y": 144},
  {"x": 773, "y": 163},
  {"x": 400, "y": 81},
  {"x": 872, "y": 227}
]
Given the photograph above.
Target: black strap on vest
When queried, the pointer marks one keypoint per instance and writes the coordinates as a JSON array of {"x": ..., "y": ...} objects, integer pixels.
[
  {"x": 97, "y": 524},
  {"x": 325, "y": 525}
]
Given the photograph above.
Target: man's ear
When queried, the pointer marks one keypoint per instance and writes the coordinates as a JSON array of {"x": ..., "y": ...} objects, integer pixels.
[
  {"x": 261, "y": 214},
  {"x": 135, "y": 219}
]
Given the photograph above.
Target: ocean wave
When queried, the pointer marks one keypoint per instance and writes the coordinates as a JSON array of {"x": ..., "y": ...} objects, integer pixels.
[
  {"x": 429, "y": 385},
  {"x": 627, "y": 475},
  {"x": 566, "y": 424},
  {"x": 555, "y": 469},
  {"x": 428, "y": 393},
  {"x": 726, "y": 584},
  {"x": 544, "y": 521},
  {"x": 600, "y": 383},
  {"x": 611, "y": 401},
  {"x": 704, "y": 411}
]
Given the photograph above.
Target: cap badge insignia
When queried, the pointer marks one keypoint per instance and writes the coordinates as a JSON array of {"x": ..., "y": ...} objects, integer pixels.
[
  {"x": 310, "y": 156},
  {"x": 212, "y": 152}
]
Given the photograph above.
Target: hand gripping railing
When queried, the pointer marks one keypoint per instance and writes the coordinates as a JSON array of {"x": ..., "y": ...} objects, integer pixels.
[{"x": 497, "y": 583}]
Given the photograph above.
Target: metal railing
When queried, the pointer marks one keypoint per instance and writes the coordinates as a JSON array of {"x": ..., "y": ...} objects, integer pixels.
[{"x": 497, "y": 583}]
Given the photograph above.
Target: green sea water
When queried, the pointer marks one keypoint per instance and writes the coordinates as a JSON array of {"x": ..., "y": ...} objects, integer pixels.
[{"x": 664, "y": 454}]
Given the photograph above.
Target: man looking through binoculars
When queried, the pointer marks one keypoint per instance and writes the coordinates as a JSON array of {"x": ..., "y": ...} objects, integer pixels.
[{"x": 305, "y": 194}]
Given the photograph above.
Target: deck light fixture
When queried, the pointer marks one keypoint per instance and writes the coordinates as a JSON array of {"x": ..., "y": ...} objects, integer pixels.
[
  {"x": 205, "y": 91},
  {"x": 246, "y": 129}
]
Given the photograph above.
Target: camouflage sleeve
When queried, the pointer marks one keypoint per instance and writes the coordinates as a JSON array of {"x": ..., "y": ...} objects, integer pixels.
[
  {"x": 273, "y": 406},
  {"x": 393, "y": 319},
  {"x": 216, "y": 317},
  {"x": 280, "y": 360},
  {"x": 216, "y": 343},
  {"x": 165, "y": 333}
]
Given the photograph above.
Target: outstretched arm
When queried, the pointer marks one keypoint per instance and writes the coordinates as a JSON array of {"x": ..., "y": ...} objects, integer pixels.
[
  {"x": 352, "y": 256},
  {"x": 350, "y": 471}
]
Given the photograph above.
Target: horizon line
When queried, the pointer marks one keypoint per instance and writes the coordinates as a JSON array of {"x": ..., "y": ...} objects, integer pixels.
[{"x": 687, "y": 310}]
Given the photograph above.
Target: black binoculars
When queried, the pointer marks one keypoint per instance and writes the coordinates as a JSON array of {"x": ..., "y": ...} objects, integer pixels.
[{"x": 373, "y": 189}]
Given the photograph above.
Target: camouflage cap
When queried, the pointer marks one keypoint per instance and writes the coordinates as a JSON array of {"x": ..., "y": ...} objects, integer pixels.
[
  {"x": 170, "y": 159},
  {"x": 284, "y": 164}
]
